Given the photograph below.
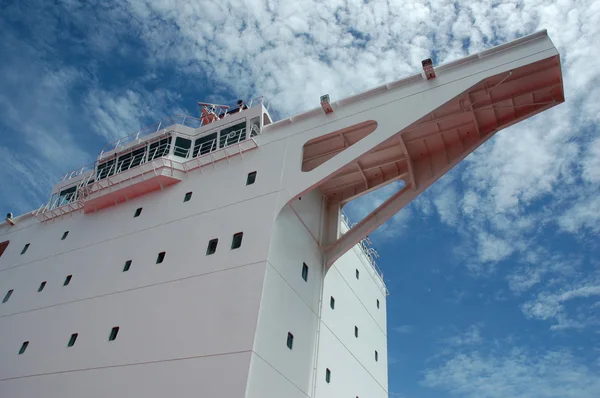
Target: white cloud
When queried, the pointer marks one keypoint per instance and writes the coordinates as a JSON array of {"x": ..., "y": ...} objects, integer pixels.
[{"x": 405, "y": 329}]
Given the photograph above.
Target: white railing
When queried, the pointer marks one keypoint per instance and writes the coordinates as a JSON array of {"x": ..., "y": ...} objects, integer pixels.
[{"x": 366, "y": 247}]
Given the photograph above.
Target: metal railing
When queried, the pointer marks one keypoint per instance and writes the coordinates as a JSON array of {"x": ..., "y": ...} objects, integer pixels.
[{"x": 366, "y": 247}]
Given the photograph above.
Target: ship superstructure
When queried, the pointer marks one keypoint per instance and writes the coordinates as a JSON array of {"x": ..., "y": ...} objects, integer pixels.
[{"x": 210, "y": 257}]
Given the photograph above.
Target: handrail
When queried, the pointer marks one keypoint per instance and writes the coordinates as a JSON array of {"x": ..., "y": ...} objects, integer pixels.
[{"x": 369, "y": 252}]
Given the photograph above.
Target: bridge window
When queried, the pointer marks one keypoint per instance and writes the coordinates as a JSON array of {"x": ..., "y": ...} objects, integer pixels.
[
  {"x": 131, "y": 159},
  {"x": 232, "y": 135},
  {"x": 159, "y": 148},
  {"x": 182, "y": 147},
  {"x": 105, "y": 169},
  {"x": 205, "y": 144}
]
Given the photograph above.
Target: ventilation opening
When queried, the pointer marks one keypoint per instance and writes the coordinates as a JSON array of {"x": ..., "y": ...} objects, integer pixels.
[
  {"x": 42, "y": 286},
  {"x": 113, "y": 333},
  {"x": 332, "y": 302},
  {"x": 7, "y": 296},
  {"x": 127, "y": 266},
  {"x": 376, "y": 356},
  {"x": 290, "y": 340},
  {"x": 327, "y": 375},
  {"x": 3, "y": 247},
  {"x": 212, "y": 246},
  {"x": 25, "y": 248},
  {"x": 137, "y": 212},
  {"x": 68, "y": 280},
  {"x": 304, "y": 272},
  {"x": 72, "y": 340},
  {"x": 23, "y": 347},
  {"x": 161, "y": 257},
  {"x": 357, "y": 274},
  {"x": 237, "y": 240},
  {"x": 356, "y": 331},
  {"x": 187, "y": 197},
  {"x": 64, "y": 236},
  {"x": 251, "y": 178}
]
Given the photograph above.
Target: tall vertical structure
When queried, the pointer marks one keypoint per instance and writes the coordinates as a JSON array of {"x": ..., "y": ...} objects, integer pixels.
[{"x": 209, "y": 257}]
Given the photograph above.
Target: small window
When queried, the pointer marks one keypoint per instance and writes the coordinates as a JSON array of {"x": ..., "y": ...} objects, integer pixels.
[
  {"x": 237, "y": 240},
  {"x": 127, "y": 266},
  {"x": 42, "y": 286},
  {"x": 23, "y": 347},
  {"x": 138, "y": 212},
  {"x": 332, "y": 302},
  {"x": 187, "y": 197},
  {"x": 7, "y": 296},
  {"x": 377, "y": 303},
  {"x": 251, "y": 178},
  {"x": 68, "y": 280},
  {"x": 3, "y": 247},
  {"x": 25, "y": 248},
  {"x": 305, "y": 272},
  {"x": 357, "y": 274},
  {"x": 328, "y": 375},
  {"x": 65, "y": 235},
  {"x": 161, "y": 257},
  {"x": 290, "y": 341},
  {"x": 72, "y": 340},
  {"x": 212, "y": 246},
  {"x": 113, "y": 333},
  {"x": 376, "y": 356},
  {"x": 182, "y": 147},
  {"x": 356, "y": 331}
]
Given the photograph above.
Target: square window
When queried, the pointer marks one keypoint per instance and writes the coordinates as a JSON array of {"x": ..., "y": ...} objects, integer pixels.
[
  {"x": 212, "y": 246},
  {"x": 161, "y": 257},
  {"x": 72, "y": 340},
  {"x": 42, "y": 286},
  {"x": 65, "y": 235},
  {"x": 23, "y": 347},
  {"x": 251, "y": 178},
  {"x": 290, "y": 340},
  {"x": 376, "y": 356},
  {"x": 25, "y": 248},
  {"x": 187, "y": 197},
  {"x": 127, "y": 266},
  {"x": 356, "y": 331},
  {"x": 113, "y": 333},
  {"x": 67, "y": 280},
  {"x": 332, "y": 302},
  {"x": 137, "y": 212},
  {"x": 327, "y": 375},
  {"x": 357, "y": 274},
  {"x": 304, "y": 272},
  {"x": 377, "y": 303},
  {"x": 7, "y": 296},
  {"x": 237, "y": 240}
]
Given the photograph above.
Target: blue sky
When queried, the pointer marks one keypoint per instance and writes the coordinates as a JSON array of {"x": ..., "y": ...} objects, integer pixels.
[{"x": 493, "y": 273}]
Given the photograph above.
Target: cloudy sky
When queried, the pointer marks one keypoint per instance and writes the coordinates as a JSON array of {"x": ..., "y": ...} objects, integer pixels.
[{"x": 503, "y": 297}]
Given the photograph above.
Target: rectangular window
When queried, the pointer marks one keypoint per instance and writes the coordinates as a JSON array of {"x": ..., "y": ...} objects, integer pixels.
[
  {"x": 332, "y": 302},
  {"x": 105, "y": 169},
  {"x": 232, "y": 135},
  {"x": 127, "y": 266},
  {"x": 25, "y": 248},
  {"x": 236, "y": 242},
  {"x": 131, "y": 159},
  {"x": 159, "y": 148},
  {"x": 376, "y": 356},
  {"x": 251, "y": 178},
  {"x": 113, "y": 333},
  {"x": 7, "y": 296},
  {"x": 182, "y": 147},
  {"x": 304, "y": 272},
  {"x": 161, "y": 257},
  {"x": 138, "y": 212},
  {"x": 357, "y": 274},
  {"x": 72, "y": 340},
  {"x": 356, "y": 331},
  {"x": 3, "y": 247},
  {"x": 42, "y": 286},
  {"x": 187, "y": 197},
  {"x": 206, "y": 144},
  {"x": 67, "y": 280},
  {"x": 64, "y": 236},
  {"x": 377, "y": 303},
  {"x": 212, "y": 246},
  {"x": 23, "y": 347},
  {"x": 290, "y": 340},
  {"x": 327, "y": 375}
]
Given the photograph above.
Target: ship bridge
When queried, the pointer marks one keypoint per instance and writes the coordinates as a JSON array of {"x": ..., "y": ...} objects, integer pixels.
[{"x": 158, "y": 156}]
